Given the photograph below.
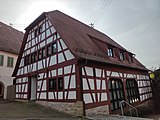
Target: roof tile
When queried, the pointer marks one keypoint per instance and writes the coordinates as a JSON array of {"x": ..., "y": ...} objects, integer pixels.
[{"x": 10, "y": 39}]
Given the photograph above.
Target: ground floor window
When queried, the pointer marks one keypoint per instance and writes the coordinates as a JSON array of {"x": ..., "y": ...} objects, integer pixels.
[
  {"x": 52, "y": 84},
  {"x": 116, "y": 93},
  {"x": 56, "y": 83},
  {"x": 132, "y": 90}
]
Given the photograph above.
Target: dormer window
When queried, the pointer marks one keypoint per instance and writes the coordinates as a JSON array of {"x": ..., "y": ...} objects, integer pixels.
[
  {"x": 122, "y": 56},
  {"x": 131, "y": 58},
  {"x": 110, "y": 52}
]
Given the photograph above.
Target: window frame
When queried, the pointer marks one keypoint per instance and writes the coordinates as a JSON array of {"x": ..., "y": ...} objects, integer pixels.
[
  {"x": 35, "y": 56},
  {"x": 116, "y": 94},
  {"x": 58, "y": 84},
  {"x": 131, "y": 58},
  {"x": 32, "y": 58},
  {"x": 36, "y": 32},
  {"x": 1, "y": 60},
  {"x": 29, "y": 59},
  {"x": 122, "y": 55},
  {"x": 40, "y": 29},
  {"x": 132, "y": 91},
  {"x": 49, "y": 50},
  {"x": 54, "y": 84},
  {"x": 10, "y": 61},
  {"x": 40, "y": 54},
  {"x": 110, "y": 52},
  {"x": 43, "y": 52},
  {"x": 54, "y": 48}
]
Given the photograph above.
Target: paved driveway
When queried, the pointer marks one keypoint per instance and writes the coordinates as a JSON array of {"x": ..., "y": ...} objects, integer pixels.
[{"x": 30, "y": 111}]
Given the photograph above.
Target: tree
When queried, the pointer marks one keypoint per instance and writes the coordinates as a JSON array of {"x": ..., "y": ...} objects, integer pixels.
[{"x": 156, "y": 88}]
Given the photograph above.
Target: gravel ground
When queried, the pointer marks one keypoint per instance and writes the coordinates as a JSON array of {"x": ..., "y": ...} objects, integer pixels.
[{"x": 116, "y": 117}]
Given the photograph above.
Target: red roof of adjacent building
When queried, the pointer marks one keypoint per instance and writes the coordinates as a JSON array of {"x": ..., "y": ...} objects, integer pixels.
[
  {"x": 10, "y": 39},
  {"x": 84, "y": 41}
]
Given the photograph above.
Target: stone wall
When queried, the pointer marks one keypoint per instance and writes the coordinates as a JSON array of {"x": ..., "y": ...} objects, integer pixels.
[
  {"x": 75, "y": 109},
  {"x": 98, "y": 110}
]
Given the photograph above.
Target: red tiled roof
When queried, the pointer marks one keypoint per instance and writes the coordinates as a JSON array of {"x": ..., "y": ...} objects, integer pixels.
[
  {"x": 85, "y": 42},
  {"x": 10, "y": 39}
]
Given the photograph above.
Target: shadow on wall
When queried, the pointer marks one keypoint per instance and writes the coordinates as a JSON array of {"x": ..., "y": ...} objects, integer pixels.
[{"x": 1, "y": 90}]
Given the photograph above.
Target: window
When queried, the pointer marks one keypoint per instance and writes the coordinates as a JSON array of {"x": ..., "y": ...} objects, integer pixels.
[
  {"x": 40, "y": 29},
  {"x": 35, "y": 32},
  {"x": 49, "y": 50},
  {"x": 116, "y": 93},
  {"x": 1, "y": 60},
  {"x": 43, "y": 53},
  {"x": 10, "y": 62},
  {"x": 39, "y": 54},
  {"x": 52, "y": 84},
  {"x": 60, "y": 83},
  {"x": 110, "y": 52},
  {"x": 56, "y": 84},
  {"x": 122, "y": 56},
  {"x": 32, "y": 58},
  {"x": 35, "y": 56},
  {"x": 132, "y": 91},
  {"x": 25, "y": 60},
  {"x": 29, "y": 59},
  {"x": 131, "y": 58},
  {"x": 54, "y": 48}
]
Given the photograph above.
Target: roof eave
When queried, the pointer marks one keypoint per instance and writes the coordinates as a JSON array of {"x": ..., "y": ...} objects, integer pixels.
[{"x": 120, "y": 65}]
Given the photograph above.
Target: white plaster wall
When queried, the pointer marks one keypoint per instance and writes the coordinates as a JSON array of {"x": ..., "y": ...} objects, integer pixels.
[{"x": 6, "y": 72}]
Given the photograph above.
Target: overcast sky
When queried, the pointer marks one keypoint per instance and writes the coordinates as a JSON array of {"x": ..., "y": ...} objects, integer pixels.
[{"x": 135, "y": 24}]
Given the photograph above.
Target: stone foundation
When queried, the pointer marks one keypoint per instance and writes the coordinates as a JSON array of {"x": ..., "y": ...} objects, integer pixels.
[
  {"x": 103, "y": 110},
  {"x": 19, "y": 100},
  {"x": 75, "y": 109}
]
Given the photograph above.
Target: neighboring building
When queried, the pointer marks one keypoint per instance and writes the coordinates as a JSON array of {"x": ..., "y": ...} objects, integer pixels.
[
  {"x": 74, "y": 68},
  {"x": 10, "y": 42}
]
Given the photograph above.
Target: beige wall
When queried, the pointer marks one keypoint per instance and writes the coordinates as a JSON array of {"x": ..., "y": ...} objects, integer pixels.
[{"x": 6, "y": 72}]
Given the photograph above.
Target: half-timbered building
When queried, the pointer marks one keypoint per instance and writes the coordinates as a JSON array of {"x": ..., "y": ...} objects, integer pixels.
[{"x": 74, "y": 68}]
